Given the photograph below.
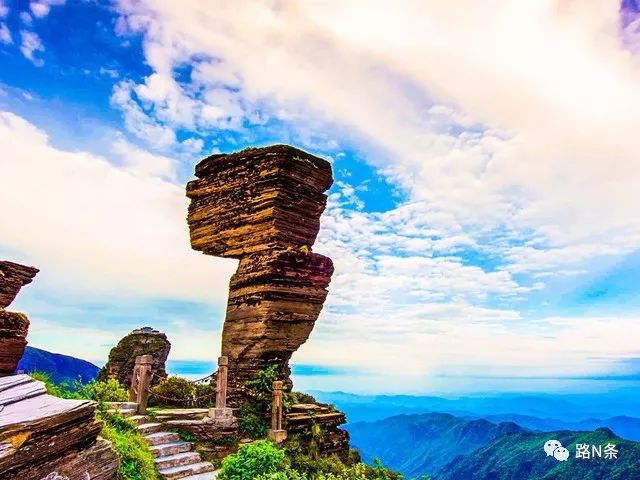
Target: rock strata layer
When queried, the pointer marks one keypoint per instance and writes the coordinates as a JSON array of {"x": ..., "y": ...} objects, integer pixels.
[
  {"x": 41, "y": 435},
  {"x": 335, "y": 441},
  {"x": 263, "y": 206},
  {"x": 13, "y": 326},
  {"x": 122, "y": 357},
  {"x": 13, "y": 277},
  {"x": 13, "y": 339}
]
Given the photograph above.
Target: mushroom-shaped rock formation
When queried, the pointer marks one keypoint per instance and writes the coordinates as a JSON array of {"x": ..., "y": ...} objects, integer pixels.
[
  {"x": 13, "y": 326},
  {"x": 141, "y": 341},
  {"x": 263, "y": 207}
]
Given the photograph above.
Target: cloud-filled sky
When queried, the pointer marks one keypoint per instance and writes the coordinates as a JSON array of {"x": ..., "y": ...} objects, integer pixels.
[{"x": 483, "y": 222}]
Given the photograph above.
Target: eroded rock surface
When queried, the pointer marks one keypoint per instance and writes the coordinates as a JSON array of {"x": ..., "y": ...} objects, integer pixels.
[
  {"x": 13, "y": 326},
  {"x": 13, "y": 277},
  {"x": 263, "y": 206},
  {"x": 122, "y": 357},
  {"x": 41, "y": 434}
]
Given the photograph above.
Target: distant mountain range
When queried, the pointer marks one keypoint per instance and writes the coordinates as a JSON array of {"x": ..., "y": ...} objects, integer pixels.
[
  {"x": 567, "y": 407},
  {"x": 60, "y": 368},
  {"x": 623, "y": 426},
  {"x": 521, "y": 456},
  {"x": 451, "y": 448},
  {"x": 419, "y": 444}
]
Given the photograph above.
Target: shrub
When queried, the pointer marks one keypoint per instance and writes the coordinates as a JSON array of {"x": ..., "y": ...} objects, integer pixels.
[
  {"x": 205, "y": 396},
  {"x": 261, "y": 385},
  {"x": 174, "y": 391},
  {"x": 106, "y": 391},
  {"x": 261, "y": 458},
  {"x": 251, "y": 421},
  {"x": 136, "y": 461},
  {"x": 61, "y": 390}
]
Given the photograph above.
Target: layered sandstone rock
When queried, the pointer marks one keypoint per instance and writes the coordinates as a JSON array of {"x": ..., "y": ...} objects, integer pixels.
[
  {"x": 301, "y": 417},
  {"x": 122, "y": 357},
  {"x": 13, "y": 326},
  {"x": 13, "y": 277},
  {"x": 13, "y": 338},
  {"x": 263, "y": 206},
  {"x": 41, "y": 435}
]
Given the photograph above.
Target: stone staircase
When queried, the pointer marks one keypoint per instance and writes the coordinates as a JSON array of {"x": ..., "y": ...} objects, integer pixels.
[{"x": 174, "y": 458}]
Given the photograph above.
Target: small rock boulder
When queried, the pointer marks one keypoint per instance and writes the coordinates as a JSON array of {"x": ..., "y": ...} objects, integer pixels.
[{"x": 122, "y": 358}]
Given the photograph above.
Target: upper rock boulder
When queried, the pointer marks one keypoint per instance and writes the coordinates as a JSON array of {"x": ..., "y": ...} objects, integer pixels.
[
  {"x": 142, "y": 341},
  {"x": 257, "y": 199},
  {"x": 13, "y": 277}
]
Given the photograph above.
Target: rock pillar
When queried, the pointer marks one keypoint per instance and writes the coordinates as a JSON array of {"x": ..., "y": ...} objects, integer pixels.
[
  {"x": 263, "y": 207},
  {"x": 13, "y": 326}
]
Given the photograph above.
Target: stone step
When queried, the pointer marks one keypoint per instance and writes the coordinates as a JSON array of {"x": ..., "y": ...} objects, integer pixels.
[
  {"x": 186, "y": 470},
  {"x": 177, "y": 460},
  {"x": 160, "y": 438},
  {"x": 147, "y": 428},
  {"x": 139, "y": 419},
  {"x": 127, "y": 413},
  {"x": 121, "y": 405},
  {"x": 203, "y": 476},
  {"x": 170, "y": 448}
]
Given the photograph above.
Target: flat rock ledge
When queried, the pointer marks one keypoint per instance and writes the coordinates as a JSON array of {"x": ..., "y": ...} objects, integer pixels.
[{"x": 41, "y": 435}]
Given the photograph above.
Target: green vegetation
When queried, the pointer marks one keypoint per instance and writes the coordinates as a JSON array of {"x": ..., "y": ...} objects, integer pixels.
[
  {"x": 252, "y": 421},
  {"x": 253, "y": 417},
  {"x": 265, "y": 461},
  {"x": 100, "y": 391},
  {"x": 253, "y": 461},
  {"x": 520, "y": 455},
  {"x": 179, "y": 392},
  {"x": 136, "y": 461},
  {"x": 107, "y": 391}
]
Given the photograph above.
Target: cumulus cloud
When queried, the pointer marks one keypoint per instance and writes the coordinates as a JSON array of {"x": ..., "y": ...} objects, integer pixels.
[
  {"x": 30, "y": 44},
  {"x": 5, "y": 34},
  {"x": 519, "y": 114},
  {"x": 510, "y": 127},
  {"x": 90, "y": 226},
  {"x": 41, "y": 8}
]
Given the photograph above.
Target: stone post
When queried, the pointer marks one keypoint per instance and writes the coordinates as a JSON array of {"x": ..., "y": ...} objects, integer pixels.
[
  {"x": 141, "y": 382},
  {"x": 222, "y": 414},
  {"x": 221, "y": 385},
  {"x": 277, "y": 433}
]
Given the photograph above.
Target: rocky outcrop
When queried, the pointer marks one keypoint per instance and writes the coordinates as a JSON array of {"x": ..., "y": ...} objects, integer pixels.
[
  {"x": 13, "y": 277},
  {"x": 41, "y": 435},
  {"x": 333, "y": 440},
  {"x": 122, "y": 358},
  {"x": 263, "y": 206},
  {"x": 13, "y": 326}
]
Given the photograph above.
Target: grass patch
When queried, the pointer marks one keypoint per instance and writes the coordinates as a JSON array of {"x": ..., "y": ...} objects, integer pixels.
[{"x": 136, "y": 461}]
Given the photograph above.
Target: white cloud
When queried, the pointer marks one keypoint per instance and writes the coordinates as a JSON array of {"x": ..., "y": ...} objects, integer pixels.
[
  {"x": 30, "y": 44},
  {"x": 550, "y": 81},
  {"x": 5, "y": 34},
  {"x": 97, "y": 229},
  {"x": 4, "y": 10},
  {"x": 41, "y": 8},
  {"x": 143, "y": 163}
]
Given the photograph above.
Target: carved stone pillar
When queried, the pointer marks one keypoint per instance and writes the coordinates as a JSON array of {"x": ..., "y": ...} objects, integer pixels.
[
  {"x": 141, "y": 382},
  {"x": 277, "y": 433}
]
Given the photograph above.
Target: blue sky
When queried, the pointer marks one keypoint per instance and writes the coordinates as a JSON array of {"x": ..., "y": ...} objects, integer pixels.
[{"x": 482, "y": 222}]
